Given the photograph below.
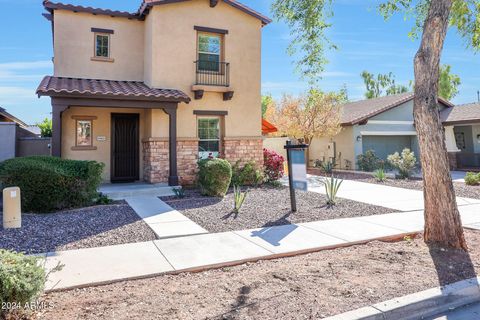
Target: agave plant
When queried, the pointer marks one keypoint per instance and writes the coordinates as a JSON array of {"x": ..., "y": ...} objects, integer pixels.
[
  {"x": 380, "y": 175},
  {"x": 239, "y": 198},
  {"x": 179, "y": 193},
  {"x": 332, "y": 185}
]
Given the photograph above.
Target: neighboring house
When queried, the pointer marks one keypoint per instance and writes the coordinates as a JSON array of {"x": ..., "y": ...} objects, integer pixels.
[
  {"x": 13, "y": 133},
  {"x": 384, "y": 125},
  {"x": 464, "y": 121},
  {"x": 149, "y": 93}
]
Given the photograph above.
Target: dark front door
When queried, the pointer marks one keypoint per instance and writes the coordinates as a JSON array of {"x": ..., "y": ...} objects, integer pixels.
[{"x": 125, "y": 147}]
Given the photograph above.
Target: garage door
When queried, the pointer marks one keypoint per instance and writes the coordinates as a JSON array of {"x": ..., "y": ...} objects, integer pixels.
[{"x": 386, "y": 145}]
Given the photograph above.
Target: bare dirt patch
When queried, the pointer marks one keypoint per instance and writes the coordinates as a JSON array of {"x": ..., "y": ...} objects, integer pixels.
[
  {"x": 304, "y": 287},
  {"x": 75, "y": 229},
  {"x": 266, "y": 207}
]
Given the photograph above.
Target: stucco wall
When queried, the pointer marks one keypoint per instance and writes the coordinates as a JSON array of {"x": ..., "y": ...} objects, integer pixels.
[
  {"x": 343, "y": 145},
  {"x": 170, "y": 56},
  {"x": 101, "y": 127},
  {"x": 7, "y": 140},
  {"x": 276, "y": 144},
  {"x": 74, "y": 47}
]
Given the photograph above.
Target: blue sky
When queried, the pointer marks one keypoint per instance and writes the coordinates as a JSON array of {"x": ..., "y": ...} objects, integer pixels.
[{"x": 365, "y": 42}]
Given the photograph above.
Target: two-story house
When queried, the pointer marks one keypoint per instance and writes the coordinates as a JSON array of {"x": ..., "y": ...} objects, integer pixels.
[{"x": 149, "y": 93}]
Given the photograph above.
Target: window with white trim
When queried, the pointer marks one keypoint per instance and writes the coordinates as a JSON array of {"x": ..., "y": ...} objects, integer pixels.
[
  {"x": 102, "y": 45},
  {"x": 209, "y": 137}
]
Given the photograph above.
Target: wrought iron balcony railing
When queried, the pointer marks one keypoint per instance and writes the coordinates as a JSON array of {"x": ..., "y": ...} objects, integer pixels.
[{"x": 212, "y": 73}]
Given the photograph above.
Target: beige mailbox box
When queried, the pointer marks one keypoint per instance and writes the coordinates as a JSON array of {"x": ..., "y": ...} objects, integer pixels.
[{"x": 12, "y": 212}]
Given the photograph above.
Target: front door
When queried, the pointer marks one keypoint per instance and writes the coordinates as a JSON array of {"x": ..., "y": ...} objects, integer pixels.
[{"x": 125, "y": 147}]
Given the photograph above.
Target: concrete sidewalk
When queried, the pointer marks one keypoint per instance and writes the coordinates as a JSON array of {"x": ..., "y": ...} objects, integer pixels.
[
  {"x": 400, "y": 199},
  {"x": 163, "y": 219},
  {"x": 87, "y": 267}
]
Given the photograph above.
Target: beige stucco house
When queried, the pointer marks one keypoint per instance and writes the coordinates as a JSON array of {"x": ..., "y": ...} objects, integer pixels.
[{"x": 149, "y": 93}]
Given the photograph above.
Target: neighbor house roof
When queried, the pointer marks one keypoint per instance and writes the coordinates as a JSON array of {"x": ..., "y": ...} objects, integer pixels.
[
  {"x": 360, "y": 111},
  {"x": 267, "y": 127},
  {"x": 466, "y": 113},
  {"x": 58, "y": 86},
  {"x": 144, "y": 9},
  {"x": 12, "y": 118}
]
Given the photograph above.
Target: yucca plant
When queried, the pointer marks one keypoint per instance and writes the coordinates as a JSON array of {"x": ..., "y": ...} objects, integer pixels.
[
  {"x": 179, "y": 193},
  {"x": 332, "y": 185},
  {"x": 239, "y": 198},
  {"x": 380, "y": 175}
]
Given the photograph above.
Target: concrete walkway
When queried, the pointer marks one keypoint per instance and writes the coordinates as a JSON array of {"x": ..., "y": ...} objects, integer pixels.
[
  {"x": 163, "y": 219},
  {"x": 87, "y": 267},
  {"x": 400, "y": 199}
]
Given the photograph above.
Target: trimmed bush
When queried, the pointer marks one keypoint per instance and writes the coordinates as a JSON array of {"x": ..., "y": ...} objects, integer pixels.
[
  {"x": 22, "y": 280},
  {"x": 272, "y": 165},
  {"x": 49, "y": 183},
  {"x": 404, "y": 163},
  {"x": 472, "y": 179},
  {"x": 214, "y": 177},
  {"x": 248, "y": 175},
  {"x": 368, "y": 161}
]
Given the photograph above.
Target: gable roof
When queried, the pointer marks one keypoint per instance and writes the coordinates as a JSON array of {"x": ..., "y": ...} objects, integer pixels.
[
  {"x": 359, "y": 111},
  {"x": 147, "y": 4},
  {"x": 134, "y": 90},
  {"x": 12, "y": 118},
  {"x": 144, "y": 9},
  {"x": 461, "y": 114}
]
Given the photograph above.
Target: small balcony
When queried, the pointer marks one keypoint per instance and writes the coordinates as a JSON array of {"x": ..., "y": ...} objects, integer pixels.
[
  {"x": 212, "y": 73},
  {"x": 212, "y": 76}
]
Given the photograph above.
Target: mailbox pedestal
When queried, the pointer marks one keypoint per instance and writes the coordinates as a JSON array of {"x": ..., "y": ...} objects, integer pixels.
[
  {"x": 12, "y": 212},
  {"x": 297, "y": 170}
]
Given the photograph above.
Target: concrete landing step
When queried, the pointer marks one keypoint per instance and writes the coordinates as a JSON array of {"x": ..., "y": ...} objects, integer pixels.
[{"x": 122, "y": 191}]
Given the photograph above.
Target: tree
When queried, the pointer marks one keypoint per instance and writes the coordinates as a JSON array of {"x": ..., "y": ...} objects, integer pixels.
[
  {"x": 267, "y": 101},
  {"x": 381, "y": 85},
  {"x": 45, "y": 127},
  {"x": 310, "y": 116},
  {"x": 307, "y": 20},
  {"x": 448, "y": 83}
]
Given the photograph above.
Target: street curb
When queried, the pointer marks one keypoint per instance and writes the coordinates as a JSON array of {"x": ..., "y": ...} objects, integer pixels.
[{"x": 419, "y": 305}]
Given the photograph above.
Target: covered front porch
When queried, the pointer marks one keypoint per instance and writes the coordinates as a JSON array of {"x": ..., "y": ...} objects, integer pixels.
[{"x": 116, "y": 123}]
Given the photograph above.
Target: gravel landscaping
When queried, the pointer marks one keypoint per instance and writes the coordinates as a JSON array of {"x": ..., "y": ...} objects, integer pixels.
[
  {"x": 74, "y": 229},
  {"x": 265, "y": 207},
  {"x": 309, "y": 286},
  {"x": 461, "y": 189}
]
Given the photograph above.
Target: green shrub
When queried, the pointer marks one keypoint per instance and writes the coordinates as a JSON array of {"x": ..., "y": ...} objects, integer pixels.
[
  {"x": 214, "y": 177},
  {"x": 248, "y": 175},
  {"x": 179, "y": 193},
  {"x": 49, "y": 183},
  {"x": 102, "y": 199},
  {"x": 380, "y": 175},
  {"x": 325, "y": 166},
  {"x": 472, "y": 179},
  {"x": 369, "y": 161},
  {"x": 404, "y": 163},
  {"x": 22, "y": 279}
]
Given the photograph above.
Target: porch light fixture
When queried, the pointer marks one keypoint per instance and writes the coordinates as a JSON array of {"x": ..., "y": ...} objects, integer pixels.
[{"x": 359, "y": 138}]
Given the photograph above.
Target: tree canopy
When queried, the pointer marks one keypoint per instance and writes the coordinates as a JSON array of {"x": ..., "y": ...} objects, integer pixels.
[
  {"x": 448, "y": 83},
  {"x": 381, "y": 85}
]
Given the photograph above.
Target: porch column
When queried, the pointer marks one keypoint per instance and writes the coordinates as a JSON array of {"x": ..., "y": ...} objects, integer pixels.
[
  {"x": 57, "y": 110},
  {"x": 172, "y": 126}
]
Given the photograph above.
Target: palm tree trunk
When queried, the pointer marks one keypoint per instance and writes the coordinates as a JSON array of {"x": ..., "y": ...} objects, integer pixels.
[{"x": 442, "y": 219}]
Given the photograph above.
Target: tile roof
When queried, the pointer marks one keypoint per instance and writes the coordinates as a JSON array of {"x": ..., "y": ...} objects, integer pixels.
[
  {"x": 54, "y": 86},
  {"x": 461, "y": 114},
  {"x": 267, "y": 127},
  {"x": 143, "y": 10},
  {"x": 359, "y": 111},
  {"x": 51, "y": 6}
]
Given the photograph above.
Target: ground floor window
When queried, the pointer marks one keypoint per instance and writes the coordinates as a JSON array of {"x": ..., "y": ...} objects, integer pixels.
[{"x": 209, "y": 137}]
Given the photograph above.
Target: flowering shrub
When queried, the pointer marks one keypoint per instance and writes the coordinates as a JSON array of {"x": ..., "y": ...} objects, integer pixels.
[{"x": 273, "y": 165}]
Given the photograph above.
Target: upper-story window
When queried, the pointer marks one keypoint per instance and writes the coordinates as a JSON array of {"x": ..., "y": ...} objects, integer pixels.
[
  {"x": 102, "y": 45},
  {"x": 209, "y": 51}
]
